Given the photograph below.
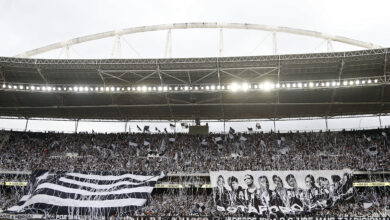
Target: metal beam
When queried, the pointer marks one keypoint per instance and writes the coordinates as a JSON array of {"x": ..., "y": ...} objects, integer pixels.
[
  {"x": 205, "y": 76},
  {"x": 220, "y": 95},
  {"x": 41, "y": 75},
  {"x": 263, "y": 74},
  {"x": 173, "y": 77},
  {"x": 2, "y": 75},
  {"x": 166, "y": 95},
  {"x": 329, "y": 46},
  {"x": 132, "y": 48},
  {"x": 341, "y": 68},
  {"x": 148, "y": 76},
  {"x": 275, "y": 43},
  {"x": 101, "y": 76},
  {"x": 202, "y": 25},
  {"x": 232, "y": 74},
  {"x": 195, "y": 104},
  {"x": 116, "y": 49},
  {"x": 385, "y": 79},
  {"x": 168, "y": 45},
  {"x": 220, "y": 52},
  {"x": 116, "y": 77}
]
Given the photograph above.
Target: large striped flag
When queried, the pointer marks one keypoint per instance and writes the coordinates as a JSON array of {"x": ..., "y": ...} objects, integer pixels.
[{"x": 86, "y": 193}]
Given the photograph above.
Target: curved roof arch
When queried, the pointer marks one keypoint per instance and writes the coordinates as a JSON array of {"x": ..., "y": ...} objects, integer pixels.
[{"x": 199, "y": 25}]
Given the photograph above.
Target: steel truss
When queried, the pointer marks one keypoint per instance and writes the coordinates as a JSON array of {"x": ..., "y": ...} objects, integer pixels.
[
  {"x": 177, "y": 61},
  {"x": 169, "y": 27}
]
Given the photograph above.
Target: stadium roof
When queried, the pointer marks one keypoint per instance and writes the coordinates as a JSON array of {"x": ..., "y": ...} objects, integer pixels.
[{"x": 303, "y": 85}]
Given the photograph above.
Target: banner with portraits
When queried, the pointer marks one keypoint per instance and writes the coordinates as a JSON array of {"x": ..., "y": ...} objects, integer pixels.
[{"x": 279, "y": 193}]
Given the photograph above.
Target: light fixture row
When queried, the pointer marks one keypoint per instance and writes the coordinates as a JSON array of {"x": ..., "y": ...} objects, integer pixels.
[{"x": 233, "y": 87}]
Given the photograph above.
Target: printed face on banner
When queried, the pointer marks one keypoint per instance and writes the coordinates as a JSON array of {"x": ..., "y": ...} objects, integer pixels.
[{"x": 279, "y": 192}]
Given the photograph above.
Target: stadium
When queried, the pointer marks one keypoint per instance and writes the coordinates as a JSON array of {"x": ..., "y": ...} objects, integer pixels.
[{"x": 200, "y": 137}]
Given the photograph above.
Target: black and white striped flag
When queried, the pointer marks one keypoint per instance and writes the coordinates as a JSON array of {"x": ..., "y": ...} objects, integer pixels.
[{"x": 86, "y": 193}]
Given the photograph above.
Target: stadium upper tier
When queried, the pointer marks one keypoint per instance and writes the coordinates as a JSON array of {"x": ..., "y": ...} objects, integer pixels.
[{"x": 279, "y": 86}]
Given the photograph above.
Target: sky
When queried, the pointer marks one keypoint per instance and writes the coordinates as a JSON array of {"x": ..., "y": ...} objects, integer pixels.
[{"x": 27, "y": 25}]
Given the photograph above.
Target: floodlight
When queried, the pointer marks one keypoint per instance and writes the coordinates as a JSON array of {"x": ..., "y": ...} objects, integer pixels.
[
  {"x": 223, "y": 87},
  {"x": 234, "y": 87},
  {"x": 144, "y": 88},
  {"x": 21, "y": 87},
  {"x": 9, "y": 87},
  {"x": 196, "y": 88},
  {"x": 33, "y": 88},
  {"x": 15, "y": 87},
  {"x": 369, "y": 81},
  {"x": 311, "y": 84},
  {"x": 357, "y": 82},
  {"x": 159, "y": 88},
  {"x": 245, "y": 86},
  {"x": 81, "y": 89},
  {"x": 363, "y": 81},
  {"x": 54, "y": 88},
  {"x": 299, "y": 85},
  {"x": 207, "y": 87},
  {"x": 288, "y": 85},
  {"x": 186, "y": 88},
  {"x": 118, "y": 88},
  {"x": 267, "y": 86},
  {"x": 154, "y": 88},
  {"x": 59, "y": 88},
  {"x": 165, "y": 88},
  {"x": 149, "y": 88},
  {"x": 294, "y": 85},
  {"x": 376, "y": 81},
  {"x": 334, "y": 83},
  {"x": 65, "y": 88},
  {"x": 4, "y": 86},
  {"x": 277, "y": 85},
  {"x": 327, "y": 84},
  {"x": 43, "y": 88},
  {"x": 345, "y": 83},
  {"x": 212, "y": 87},
  {"x": 304, "y": 84},
  {"x": 218, "y": 87},
  {"x": 351, "y": 83}
]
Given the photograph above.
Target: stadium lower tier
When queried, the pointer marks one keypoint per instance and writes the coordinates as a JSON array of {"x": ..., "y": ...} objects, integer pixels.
[
  {"x": 256, "y": 174},
  {"x": 368, "y": 202},
  {"x": 271, "y": 194}
]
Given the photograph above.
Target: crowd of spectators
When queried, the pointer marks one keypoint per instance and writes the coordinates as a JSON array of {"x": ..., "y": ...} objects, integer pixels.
[
  {"x": 172, "y": 153},
  {"x": 359, "y": 150}
]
